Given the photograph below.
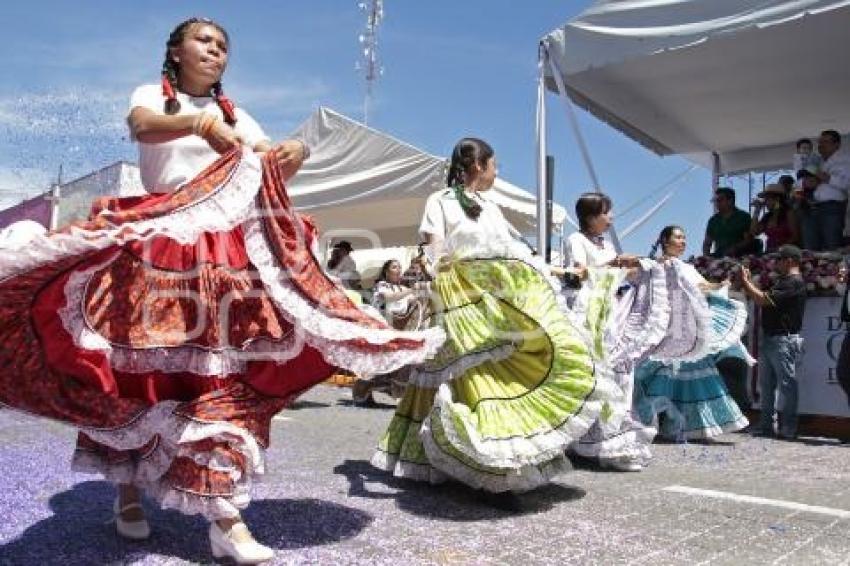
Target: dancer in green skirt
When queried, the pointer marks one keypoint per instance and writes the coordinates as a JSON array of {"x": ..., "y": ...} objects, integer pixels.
[{"x": 515, "y": 382}]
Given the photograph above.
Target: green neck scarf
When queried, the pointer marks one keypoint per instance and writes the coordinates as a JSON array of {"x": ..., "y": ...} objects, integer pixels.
[{"x": 471, "y": 208}]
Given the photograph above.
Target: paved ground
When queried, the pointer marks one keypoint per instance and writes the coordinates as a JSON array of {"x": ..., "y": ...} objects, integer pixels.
[{"x": 322, "y": 503}]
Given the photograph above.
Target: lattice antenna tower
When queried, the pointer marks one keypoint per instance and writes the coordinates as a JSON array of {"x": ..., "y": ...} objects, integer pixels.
[{"x": 369, "y": 62}]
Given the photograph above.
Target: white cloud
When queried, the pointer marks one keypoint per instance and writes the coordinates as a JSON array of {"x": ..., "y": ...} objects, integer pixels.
[
  {"x": 280, "y": 96},
  {"x": 79, "y": 130}
]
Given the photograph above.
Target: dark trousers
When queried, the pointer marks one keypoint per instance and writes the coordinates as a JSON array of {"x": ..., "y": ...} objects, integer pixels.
[
  {"x": 823, "y": 225},
  {"x": 843, "y": 369},
  {"x": 779, "y": 361}
]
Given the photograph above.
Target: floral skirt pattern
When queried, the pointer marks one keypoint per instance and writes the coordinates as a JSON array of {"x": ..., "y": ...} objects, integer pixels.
[{"x": 170, "y": 328}]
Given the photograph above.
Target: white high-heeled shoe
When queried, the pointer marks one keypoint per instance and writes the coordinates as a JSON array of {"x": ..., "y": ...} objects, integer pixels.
[
  {"x": 134, "y": 530},
  {"x": 249, "y": 552}
]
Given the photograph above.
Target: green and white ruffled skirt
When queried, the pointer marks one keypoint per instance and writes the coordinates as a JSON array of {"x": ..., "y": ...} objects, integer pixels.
[{"x": 514, "y": 384}]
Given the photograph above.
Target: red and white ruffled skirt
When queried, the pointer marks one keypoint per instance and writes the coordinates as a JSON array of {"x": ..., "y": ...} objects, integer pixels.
[{"x": 169, "y": 329}]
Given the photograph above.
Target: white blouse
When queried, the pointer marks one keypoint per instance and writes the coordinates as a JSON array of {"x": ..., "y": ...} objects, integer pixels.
[
  {"x": 581, "y": 250},
  {"x": 454, "y": 233},
  {"x": 167, "y": 165},
  {"x": 396, "y": 307}
]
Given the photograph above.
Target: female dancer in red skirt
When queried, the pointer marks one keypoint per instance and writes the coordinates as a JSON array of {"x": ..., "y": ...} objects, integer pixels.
[{"x": 170, "y": 328}]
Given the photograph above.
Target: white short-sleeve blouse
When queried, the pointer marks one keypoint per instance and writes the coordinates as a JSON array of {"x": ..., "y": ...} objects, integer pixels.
[
  {"x": 167, "y": 165},
  {"x": 454, "y": 233},
  {"x": 581, "y": 250}
]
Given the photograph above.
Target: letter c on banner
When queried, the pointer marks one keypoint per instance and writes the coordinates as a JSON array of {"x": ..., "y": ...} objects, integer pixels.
[{"x": 831, "y": 349}]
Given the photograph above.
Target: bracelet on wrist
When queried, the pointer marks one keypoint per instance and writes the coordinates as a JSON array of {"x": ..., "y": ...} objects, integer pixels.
[
  {"x": 208, "y": 125},
  {"x": 196, "y": 124},
  {"x": 203, "y": 124}
]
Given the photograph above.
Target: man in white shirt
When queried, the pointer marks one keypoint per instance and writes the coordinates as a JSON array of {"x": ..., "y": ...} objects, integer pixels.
[{"x": 829, "y": 208}]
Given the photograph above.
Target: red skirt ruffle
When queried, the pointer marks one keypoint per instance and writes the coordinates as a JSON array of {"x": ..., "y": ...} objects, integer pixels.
[{"x": 170, "y": 354}]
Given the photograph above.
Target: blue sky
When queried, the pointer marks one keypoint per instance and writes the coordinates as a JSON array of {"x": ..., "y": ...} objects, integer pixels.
[{"x": 451, "y": 69}]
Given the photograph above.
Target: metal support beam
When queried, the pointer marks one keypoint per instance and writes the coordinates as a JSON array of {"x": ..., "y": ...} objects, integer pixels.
[{"x": 542, "y": 235}]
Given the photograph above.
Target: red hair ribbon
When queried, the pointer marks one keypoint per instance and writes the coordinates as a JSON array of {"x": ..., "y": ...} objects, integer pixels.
[
  {"x": 167, "y": 89},
  {"x": 227, "y": 108}
]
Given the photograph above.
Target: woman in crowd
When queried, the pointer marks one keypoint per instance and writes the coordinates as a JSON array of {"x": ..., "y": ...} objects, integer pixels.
[
  {"x": 342, "y": 266},
  {"x": 515, "y": 382},
  {"x": 170, "y": 328},
  {"x": 691, "y": 395},
  {"x": 404, "y": 308},
  {"x": 401, "y": 305},
  {"x": 778, "y": 223}
]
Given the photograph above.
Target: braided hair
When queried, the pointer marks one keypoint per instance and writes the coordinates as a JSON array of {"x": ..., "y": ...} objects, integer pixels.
[
  {"x": 467, "y": 152},
  {"x": 663, "y": 238},
  {"x": 170, "y": 70}
]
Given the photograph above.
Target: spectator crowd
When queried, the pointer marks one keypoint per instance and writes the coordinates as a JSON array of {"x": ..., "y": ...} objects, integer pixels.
[{"x": 809, "y": 212}]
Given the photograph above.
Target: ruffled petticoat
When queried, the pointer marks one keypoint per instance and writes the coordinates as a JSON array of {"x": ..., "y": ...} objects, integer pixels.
[
  {"x": 690, "y": 399},
  {"x": 663, "y": 318},
  {"x": 637, "y": 321},
  {"x": 169, "y": 329},
  {"x": 513, "y": 386}
]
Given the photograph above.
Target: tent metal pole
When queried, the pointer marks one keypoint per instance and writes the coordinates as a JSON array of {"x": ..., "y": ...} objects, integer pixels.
[
  {"x": 542, "y": 236},
  {"x": 585, "y": 154},
  {"x": 546, "y": 251},
  {"x": 715, "y": 178},
  {"x": 715, "y": 172},
  {"x": 750, "y": 190}
]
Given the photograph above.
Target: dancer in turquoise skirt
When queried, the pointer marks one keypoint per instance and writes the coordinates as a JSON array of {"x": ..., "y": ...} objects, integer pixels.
[{"x": 690, "y": 396}]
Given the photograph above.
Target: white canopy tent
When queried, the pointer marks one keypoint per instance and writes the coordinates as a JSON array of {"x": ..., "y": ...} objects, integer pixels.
[
  {"x": 730, "y": 84},
  {"x": 360, "y": 182}
]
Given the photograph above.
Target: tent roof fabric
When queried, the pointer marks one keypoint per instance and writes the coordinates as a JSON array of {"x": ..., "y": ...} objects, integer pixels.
[
  {"x": 358, "y": 177},
  {"x": 742, "y": 78}
]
